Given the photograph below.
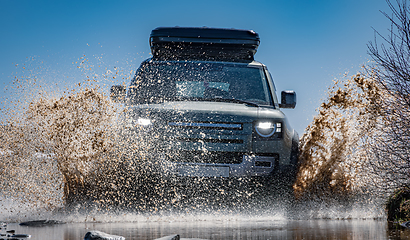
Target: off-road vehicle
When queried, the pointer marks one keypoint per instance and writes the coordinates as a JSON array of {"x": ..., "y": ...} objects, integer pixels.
[{"x": 203, "y": 108}]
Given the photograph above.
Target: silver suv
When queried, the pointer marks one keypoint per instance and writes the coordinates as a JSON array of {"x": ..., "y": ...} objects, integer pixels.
[{"x": 204, "y": 108}]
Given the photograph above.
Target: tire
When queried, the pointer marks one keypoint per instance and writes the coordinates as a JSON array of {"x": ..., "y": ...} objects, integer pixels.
[{"x": 294, "y": 163}]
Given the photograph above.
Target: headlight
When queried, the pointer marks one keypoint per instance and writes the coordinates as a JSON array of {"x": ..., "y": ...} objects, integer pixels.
[
  {"x": 267, "y": 128},
  {"x": 141, "y": 123},
  {"x": 144, "y": 122}
]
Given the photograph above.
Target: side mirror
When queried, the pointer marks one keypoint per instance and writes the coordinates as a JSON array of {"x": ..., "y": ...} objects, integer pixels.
[
  {"x": 118, "y": 93},
  {"x": 288, "y": 99}
]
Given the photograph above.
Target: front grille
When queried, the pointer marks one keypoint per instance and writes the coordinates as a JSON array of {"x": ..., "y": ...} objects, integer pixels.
[
  {"x": 207, "y": 125},
  {"x": 208, "y": 140},
  {"x": 205, "y": 157},
  {"x": 263, "y": 164}
]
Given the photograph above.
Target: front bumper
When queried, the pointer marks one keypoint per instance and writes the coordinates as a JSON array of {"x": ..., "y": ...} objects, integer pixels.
[{"x": 251, "y": 166}]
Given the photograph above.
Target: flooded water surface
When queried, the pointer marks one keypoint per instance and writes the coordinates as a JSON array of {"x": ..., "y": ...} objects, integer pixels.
[{"x": 224, "y": 229}]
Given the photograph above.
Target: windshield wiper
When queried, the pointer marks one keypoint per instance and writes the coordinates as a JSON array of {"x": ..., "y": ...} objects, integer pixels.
[{"x": 231, "y": 100}]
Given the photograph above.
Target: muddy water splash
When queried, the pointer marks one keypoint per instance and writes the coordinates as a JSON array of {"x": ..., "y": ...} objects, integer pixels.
[
  {"x": 334, "y": 153},
  {"x": 62, "y": 142},
  {"x": 76, "y": 130},
  {"x": 56, "y": 150}
]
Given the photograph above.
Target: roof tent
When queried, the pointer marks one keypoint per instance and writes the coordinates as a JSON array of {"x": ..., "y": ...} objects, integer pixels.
[{"x": 182, "y": 43}]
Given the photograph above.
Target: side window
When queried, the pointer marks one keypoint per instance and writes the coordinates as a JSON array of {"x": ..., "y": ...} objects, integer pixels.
[{"x": 272, "y": 88}]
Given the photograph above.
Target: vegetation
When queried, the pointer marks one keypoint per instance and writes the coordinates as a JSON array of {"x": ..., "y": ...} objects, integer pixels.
[
  {"x": 398, "y": 205},
  {"x": 391, "y": 149},
  {"x": 392, "y": 61}
]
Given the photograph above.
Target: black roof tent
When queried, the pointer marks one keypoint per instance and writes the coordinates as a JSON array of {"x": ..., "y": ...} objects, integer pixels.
[{"x": 183, "y": 43}]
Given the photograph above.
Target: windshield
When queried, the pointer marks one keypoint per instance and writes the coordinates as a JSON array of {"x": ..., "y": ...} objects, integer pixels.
[{"x": 183, "y": 81}]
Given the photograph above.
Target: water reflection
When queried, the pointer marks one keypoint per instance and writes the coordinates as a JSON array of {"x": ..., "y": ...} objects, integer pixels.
[{"x": 232, "y": 229}]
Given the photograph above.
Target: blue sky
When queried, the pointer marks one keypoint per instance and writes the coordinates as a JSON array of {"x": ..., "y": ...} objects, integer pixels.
[{"x": 305, "y": 44}]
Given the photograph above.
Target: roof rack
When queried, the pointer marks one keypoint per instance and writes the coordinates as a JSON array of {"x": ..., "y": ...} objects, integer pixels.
[{"x": 183, "y": 43}]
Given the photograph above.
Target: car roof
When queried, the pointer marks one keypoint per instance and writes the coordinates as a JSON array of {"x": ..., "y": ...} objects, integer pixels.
[
  {"x": 203, "y": 43},
  {"x": 250, "y": 63}
]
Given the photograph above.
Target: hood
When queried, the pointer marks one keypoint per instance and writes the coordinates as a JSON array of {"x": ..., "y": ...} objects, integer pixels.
[{"x": 204, "y": 111}]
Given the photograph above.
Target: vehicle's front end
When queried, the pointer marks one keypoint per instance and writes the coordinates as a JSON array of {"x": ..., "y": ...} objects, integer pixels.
[
  {"x": 202, "y": 108},
  {"x": 230, "y": 132},
  {"x": 187, "y": 141}
]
